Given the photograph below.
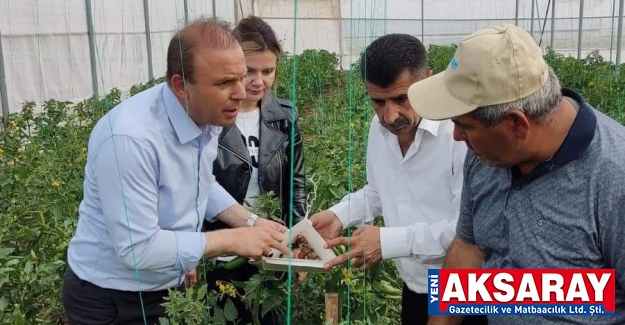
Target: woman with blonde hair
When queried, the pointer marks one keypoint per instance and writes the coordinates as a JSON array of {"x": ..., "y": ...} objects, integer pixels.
[{"x": 258, "y": 154}]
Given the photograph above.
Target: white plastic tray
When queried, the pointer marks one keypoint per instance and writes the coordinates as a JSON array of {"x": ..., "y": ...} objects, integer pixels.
[
  {"x": 297, "y": 265},
  {"x": 314, "y": 241}
]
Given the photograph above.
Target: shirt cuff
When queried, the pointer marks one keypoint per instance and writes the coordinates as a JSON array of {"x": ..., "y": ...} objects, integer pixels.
[
  {"x": 219, "y": 200},
  {"x": 464, "y": 228},
  {"x": 191, "y": 247},
  {"x": 394, "y": 242},
  {"x": 345, "y": 213}
]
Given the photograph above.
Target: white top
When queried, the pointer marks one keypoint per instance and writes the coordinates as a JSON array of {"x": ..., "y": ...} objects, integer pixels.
[
  {"x": 417, "y": 194},
  {"x": 249, "y": 125}
]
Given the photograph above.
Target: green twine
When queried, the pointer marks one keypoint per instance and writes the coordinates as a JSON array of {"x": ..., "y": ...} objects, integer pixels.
[
  {"x": 107, "y": 105},
  {"x": 294, "y": 101}
]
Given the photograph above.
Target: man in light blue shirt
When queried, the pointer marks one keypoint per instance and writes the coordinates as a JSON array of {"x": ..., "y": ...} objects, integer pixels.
[{"x": 149, "y": 185}]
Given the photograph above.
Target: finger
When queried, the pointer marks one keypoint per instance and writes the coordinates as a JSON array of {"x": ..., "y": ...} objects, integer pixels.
[
  {"x": 281, "y": 247},
  {"x": 340, "y": 259},
  {"x": 276, "y": 235},
  {"x": 314, "y": 220},
  {"x": 304, "y": 252},
  {"x": 357, "y": 262},
  {"x": 345, "y": 241},
  {"x": 359, "y": 231},
  {"x": 292, "y": 237},
  {"x": 300, "y": 239},
  {"x": 308, "y": 253},
  {"x": 281, "y": 228},
  {"x": 262, "y": 222},
  {"x": 257, "y": 255}
]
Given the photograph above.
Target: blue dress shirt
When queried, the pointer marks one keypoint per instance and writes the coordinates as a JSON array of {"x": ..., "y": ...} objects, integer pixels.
[{"x": 148, "y": 186}]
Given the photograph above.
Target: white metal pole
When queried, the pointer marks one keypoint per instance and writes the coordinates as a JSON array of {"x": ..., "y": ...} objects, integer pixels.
[
  {"x": 619, "y": 33},
  {"x": 3, "y": 85},
  {"x": 553, "y": 22},
  {"x": 186, "y": 12},
  {"x": 516, "y": 13},
  {"x": 532, "y": 19},
  {"x": 91, "y": 36},
  {"x": 579, "y": 29},
  {"x": 148, "y": 39},
  {"x": 422, "y": 22}
]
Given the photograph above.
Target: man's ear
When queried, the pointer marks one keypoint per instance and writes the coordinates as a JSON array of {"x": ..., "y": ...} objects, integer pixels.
[
  {"x": 430, "y": 73},
  {"x": 520, "y": 121},
  {"x": 177, "y": 86}
]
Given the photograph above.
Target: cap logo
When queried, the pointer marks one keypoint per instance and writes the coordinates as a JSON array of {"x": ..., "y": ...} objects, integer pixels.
[{"x": 453, "y": 63}]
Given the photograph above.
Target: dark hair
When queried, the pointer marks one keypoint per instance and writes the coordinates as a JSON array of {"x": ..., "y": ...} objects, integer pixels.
[
  {"x": 386, "y": 58},
  {"x": 209, "y": 33},
  {"x": 255, "y": 35}
]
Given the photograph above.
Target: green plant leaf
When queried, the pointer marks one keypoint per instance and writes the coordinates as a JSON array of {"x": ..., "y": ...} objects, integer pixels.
[
  {"x": 163, "y": 321},
  {"x": 271, "y": 302},
  {"x": 219, "y": 316},
  {"x": 230, "y": 311}
]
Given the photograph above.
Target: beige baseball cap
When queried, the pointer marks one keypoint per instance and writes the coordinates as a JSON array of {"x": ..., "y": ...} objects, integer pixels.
[{"x": 492, "y": 66}]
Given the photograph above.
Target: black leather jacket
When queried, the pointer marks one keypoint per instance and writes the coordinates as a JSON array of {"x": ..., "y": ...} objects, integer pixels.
[{"x": 232, "y": 168}]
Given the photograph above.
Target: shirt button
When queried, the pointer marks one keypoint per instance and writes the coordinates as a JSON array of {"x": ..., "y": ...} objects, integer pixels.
[{"x": 540, "y": 222}]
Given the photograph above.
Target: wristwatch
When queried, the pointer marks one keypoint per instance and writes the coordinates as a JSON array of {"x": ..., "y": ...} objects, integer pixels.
[{"x": 251, "y": 220}]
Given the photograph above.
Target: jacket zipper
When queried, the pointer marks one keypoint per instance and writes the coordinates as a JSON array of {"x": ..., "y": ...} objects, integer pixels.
[{"x": 285, "y": 214}]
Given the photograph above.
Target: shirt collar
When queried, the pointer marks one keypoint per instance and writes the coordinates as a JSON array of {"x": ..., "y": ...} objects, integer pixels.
[
  {"x": 581, "y": 133},
  {"x": 186, "y": 130},
  {"x": 575, "y": 143},
  {"x": 429, "y": 126},
  {"x": 426, "y": 125}
]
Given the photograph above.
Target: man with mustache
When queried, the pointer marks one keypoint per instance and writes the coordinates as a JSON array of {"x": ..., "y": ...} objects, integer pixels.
[{"x": 414, "y": 179}]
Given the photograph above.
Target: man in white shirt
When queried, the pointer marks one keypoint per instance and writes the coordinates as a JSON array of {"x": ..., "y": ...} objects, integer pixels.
[{"x": 414, "y": 179}]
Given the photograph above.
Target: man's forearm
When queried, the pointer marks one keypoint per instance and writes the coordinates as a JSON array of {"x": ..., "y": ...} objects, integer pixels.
[
  {"x": 218, "y": 243},
  {"x": 235, "y": 216},
  {"x": 461, "y": 255}
]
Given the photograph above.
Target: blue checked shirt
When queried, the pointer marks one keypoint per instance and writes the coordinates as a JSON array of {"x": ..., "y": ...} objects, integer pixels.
[{"x": 148, "y": 186}]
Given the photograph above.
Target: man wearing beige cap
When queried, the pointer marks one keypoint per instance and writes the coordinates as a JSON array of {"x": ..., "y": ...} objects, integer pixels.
[{"x": 544, "y": 180}]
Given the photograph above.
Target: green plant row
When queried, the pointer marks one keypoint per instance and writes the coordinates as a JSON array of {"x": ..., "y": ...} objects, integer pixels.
[{"x": 42, "y": 160}]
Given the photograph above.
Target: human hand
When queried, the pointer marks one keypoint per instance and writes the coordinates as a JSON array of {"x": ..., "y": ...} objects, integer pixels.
[
  {"x": 190, "y": 278},
  {"x": 262, "y": 222},
  {"x": 445, "y": 320},
  {"x": 327, "y": 225},
  {"x": 258, "y": 241},
  {"x": 301, "y": 276},
  {"x": 365, "y": 248}
]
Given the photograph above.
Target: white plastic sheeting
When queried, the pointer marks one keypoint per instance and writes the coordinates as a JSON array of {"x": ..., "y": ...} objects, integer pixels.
[{"x": 46, "y": 46}]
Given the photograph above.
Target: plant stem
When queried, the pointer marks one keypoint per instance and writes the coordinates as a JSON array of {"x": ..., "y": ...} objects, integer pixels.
[{"x": 257, "y": 304}]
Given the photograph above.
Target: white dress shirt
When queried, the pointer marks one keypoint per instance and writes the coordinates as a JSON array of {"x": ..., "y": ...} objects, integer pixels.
[
  {"x": 417, "y": 194},
  {"x": 148, "y": 187}
]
